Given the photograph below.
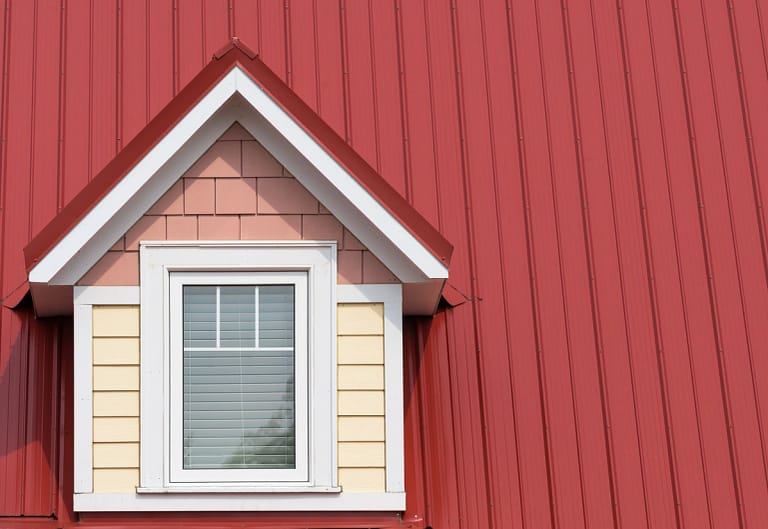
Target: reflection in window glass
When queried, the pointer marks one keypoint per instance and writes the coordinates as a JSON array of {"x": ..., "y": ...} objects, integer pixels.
[{"x": 239, "y": 362}]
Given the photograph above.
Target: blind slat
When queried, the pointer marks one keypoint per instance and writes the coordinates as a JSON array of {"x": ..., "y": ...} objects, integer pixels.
[{"x": 238, "y": 403}]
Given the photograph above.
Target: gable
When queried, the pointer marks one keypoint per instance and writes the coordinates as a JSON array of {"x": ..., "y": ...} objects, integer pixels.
[
  {"x": 237, "y": 191},
  {"x": 237, "y": 87}
]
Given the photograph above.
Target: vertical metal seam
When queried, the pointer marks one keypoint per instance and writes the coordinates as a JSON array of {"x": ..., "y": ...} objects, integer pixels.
[
  {"x": 147, "y": 61},
  {"x": 4, "y": 108},
  {"x": 404, "y": 115},
  {"x": 759, "y": 213},
  {"x": 4, "y": 139},
  {"x": 345, "y": 71},
  {"x": 61, "y": 113},
  {"x": 55, "y": 426},
  {"x": 258, "y": 24},
  {"x": 749, "y": 138},
  {"x": 649, "y": 264},
  {"x": 704, "y": 231},
  {"x": 433, "y": 120},
  {"x": 90, "y": 90},
  {"x": 531, "y": 259},
  {"x": 374, "y": 90},
  {"x": 470, "y": 234},
  {"x": 230, "y": 20},
  {"x": 550, "y": 160},
  {"x": 761, "y": 26},
  {"x": 417, "y": 393},
  {"x": 530, "y": 253},
  {"x": 23, "y": 391},
  {"x": 316, "y": 55},
  {"x": 204, "y": 37},
  {"x": 119, "y": 65},
  {"x": 679, "y": 266},
  {"x": 175, "y": 45},
  {"x": 579, "y": 155},
  {"x": 288, "y": 48},
  {"x": 504, "y": 281},
  {"x": 24, "y": 386},
  {"x": 590, "y": 255},
  {"x": 32, "y": 115}
]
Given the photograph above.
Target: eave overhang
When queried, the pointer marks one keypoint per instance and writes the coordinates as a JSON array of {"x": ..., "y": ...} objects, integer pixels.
[{"x": 237, "y": 86}]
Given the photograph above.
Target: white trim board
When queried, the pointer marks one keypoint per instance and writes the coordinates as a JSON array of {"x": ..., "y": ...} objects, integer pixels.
[
  {"x": 238, "y": 98},
  {"x": 309, "y": 501},
  {"x": 158, "y": 261}
]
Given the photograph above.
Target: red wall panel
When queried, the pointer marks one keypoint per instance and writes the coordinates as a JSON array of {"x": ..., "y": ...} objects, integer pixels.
[{"x": 599, "y": 169}]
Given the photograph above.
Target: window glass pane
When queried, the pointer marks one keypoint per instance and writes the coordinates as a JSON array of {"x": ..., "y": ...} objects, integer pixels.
[
  {"x": 239, "y": 401},
  {"x": 276, "y": 316},
  {"x": 199, "y": 316},
  {"x": 237, "y": 316}
]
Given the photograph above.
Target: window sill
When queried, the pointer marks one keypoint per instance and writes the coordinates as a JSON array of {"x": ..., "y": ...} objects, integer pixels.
[
  {"x": 193, "y": 502},
  {"x": 233, "y": 489}
]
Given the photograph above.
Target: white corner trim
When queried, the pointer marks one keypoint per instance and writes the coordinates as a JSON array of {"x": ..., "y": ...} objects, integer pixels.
[
  {"x": 309, "y": 501},
  {"x": 391, "y": 296},
  {"x": 83, "y": 393}
]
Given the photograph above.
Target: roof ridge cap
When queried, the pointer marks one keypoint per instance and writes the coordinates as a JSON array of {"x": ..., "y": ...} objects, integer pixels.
[{"x": 234, "y": 43}]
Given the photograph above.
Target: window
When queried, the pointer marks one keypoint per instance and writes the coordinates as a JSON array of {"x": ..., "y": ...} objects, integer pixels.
[
  {"x": 237, "y": 366},
  {"x": 238, "y": 345},
  {"x": 242, "y": 300}
]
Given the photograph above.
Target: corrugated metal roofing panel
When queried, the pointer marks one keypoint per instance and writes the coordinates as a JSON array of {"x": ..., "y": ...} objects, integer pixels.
[{"x": 598, "y": 169}]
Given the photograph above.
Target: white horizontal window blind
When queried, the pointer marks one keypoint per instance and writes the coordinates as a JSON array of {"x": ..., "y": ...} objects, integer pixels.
[{"x": 239, "y": 368}]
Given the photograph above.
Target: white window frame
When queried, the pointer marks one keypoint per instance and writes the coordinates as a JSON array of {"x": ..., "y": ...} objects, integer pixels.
[
  {"x": 178, "y": 474},
  {"x": 159, "y": 261}
]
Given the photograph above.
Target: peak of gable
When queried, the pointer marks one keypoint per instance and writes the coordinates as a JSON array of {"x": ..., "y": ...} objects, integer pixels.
[{"x": 236, "y": 87}]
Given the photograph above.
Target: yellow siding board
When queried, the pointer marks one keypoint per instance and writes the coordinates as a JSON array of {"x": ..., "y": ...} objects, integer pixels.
[
  {"x": 361, "y": 402},
  {"x": 115, "y": 429},
  {"x": 360, "y": 318},
  {"x": 362, "y": 479},
  {"x": 361, "y": 350},
  {"x": 361, "y": 429},
  {"x": 361, "y": 454},
  {"x": 115, "y": 480},
  {"x": 116, "y": 455},
  {"x": 115, "y": 320},
  {"x": 361, "y": 377},
  {"x": 115, "y": 378},
  {"x": 123, "y": 351},
  {"x": 116, "y": 404}
]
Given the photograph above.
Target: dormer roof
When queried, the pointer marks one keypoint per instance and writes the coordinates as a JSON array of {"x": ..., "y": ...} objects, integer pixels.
[{"x": 236, "y": 86}]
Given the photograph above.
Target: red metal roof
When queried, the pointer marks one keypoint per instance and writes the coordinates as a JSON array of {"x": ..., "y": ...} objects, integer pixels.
[{"x": 600, "y": 169}]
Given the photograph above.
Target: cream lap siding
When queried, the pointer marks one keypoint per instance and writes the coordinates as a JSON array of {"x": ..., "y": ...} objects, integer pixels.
[
  {"x": 115, "y": 398},
  {"x": 361, "y": 424},
  {"x": 361, "y": 402}
]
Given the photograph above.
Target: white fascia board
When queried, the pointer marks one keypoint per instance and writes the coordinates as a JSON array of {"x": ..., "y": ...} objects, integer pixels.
[
  {"x": 56, "y": 260},
  {"x": 339, "y": 178}
]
